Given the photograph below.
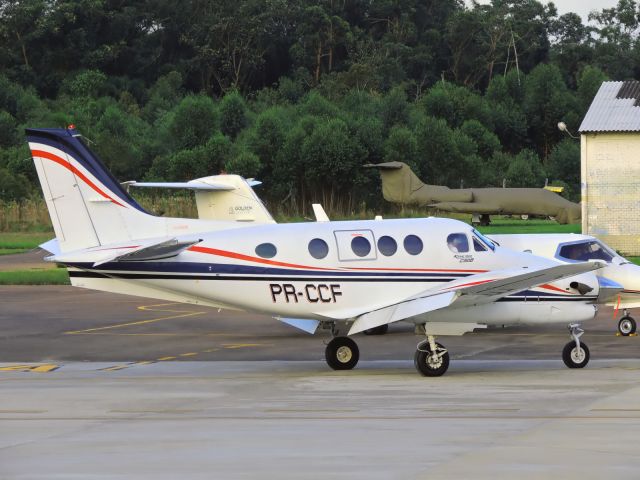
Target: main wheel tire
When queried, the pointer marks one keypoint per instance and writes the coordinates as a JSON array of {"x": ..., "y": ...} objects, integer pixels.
[
  {"x": 574, "y": 358},
  {"x": 342, "y": 353},
  {"x": 381, "y": 330},
  {"x": 626, "y": 326},
  {"x": 428, "y": 364}
]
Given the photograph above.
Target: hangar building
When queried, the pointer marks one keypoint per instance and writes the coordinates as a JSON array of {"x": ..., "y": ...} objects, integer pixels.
[{"x": 610, "y": 165}]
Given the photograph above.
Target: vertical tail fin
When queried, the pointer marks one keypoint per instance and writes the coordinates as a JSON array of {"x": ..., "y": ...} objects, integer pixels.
[
  {"x": 398, "y": 181},
  {"x": 87, "y": 205}
]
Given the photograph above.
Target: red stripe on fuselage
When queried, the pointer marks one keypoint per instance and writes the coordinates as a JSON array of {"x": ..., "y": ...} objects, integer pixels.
[
  {"x": 74, "y": 170},
  {"x": 249, "y": 258}
]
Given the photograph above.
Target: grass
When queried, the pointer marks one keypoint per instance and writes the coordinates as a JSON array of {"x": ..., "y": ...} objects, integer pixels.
[
  {"x": 511, "y": 225},
  {"x": 12, "y": 243},
  {"x": 52, "y": 276}
]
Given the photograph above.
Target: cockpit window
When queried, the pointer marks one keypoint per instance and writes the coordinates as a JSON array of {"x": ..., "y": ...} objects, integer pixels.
[
  {"x": 583, "y": 251},
  {"x": 484, "y": 240},
  {"x": 458, "y": 243},
  {"x": 478, "y": 246}
]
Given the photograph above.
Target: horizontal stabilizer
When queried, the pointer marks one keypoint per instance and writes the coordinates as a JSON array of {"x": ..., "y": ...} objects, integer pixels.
[
  {"x": 191, "y": 185},
  {"x": 385, "y": 165},
  {"x": 52, "y": 246},
  {"x": 125, "y": 252}
]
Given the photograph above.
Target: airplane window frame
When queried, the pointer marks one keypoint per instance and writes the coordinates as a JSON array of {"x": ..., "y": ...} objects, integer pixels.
[
  {"x": 604, "y": 248},
  {"x": 324, "y": 246},
  {"x": 452, "y": 236},
  {"x": 384, "y": 248},
  {"x": 360, "y": 253},
  {"x": 478, "y": 246},
  {"x": 484, "y": 239},
  {"x": 266, "y": 255},
  {"x": 410, "y": 249}
]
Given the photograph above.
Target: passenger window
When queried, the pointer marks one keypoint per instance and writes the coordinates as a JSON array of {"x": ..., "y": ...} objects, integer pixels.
[
  {"x": 266, "y": 250},
  {"x": 478, "y": 246},
  {"x": 360, "y": 246},
  {"x": 413, "y": 244},
  {"x": 318, "y": 248},
  {"x": 387, "y": 246},
  {"x": 458, "y": 243}
]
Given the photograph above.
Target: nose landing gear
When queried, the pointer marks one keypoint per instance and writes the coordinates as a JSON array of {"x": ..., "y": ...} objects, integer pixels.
[
  {"x": 626, "y": 324},
  {"x": 575, "y": 354}
]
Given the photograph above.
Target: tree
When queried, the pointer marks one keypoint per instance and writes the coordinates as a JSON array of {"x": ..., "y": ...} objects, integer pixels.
[
  {"x": 192, "y": 122},
  {"x": 525, "y": 170},
  {"x": 564, "y": 164},
  {"x": 547, "y": 101},
  {"x": 233, "y": 116},
  {"x": 401, "y": 146}
]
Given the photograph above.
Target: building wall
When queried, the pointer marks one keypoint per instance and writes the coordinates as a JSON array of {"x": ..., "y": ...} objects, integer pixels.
[{"x": 611, "y": 189}]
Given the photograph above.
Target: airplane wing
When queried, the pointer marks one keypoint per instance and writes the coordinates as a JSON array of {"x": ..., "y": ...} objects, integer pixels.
[{"x": 474, "y": 290}]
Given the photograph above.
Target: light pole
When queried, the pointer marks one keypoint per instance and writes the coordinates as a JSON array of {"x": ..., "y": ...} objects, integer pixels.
[{"x": 563, "y": 128}]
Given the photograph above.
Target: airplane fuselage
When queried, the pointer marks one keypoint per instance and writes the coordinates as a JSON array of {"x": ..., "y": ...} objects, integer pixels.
[{"x": 337, "y": 270}]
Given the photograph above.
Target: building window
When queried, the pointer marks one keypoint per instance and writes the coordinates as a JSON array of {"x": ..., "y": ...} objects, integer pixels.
[
  {"x": 458, "y": 243},
  {"x": 387, "y": 246},
  {"x": 266, "y": 250},
  {"x": 412, "y": 244},
  {"x": 318, "y": 248},
  {"x": 360, "y": 246}
]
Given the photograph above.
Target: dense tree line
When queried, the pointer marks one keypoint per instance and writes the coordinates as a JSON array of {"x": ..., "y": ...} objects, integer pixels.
[{"x": 302, "y": 93}]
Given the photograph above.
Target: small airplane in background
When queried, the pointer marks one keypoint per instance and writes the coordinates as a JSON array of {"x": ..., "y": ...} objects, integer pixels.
[
  {"x": 220, "y": 197},
  {"x": 572, "y": 248},
  {"x": 400, "y": 185},
  {"x": 343, "y": 277}
]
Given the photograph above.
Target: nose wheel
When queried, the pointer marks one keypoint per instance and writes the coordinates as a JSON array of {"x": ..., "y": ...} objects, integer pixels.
[
  {"x": 342, "y": 353},
  {"x": 626, "y": 325},
  {"x": 575, "y": 354}
]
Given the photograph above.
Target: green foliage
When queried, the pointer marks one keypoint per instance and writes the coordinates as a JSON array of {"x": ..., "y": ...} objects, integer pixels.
[
  {"x": 563, "y": 165},
  {"x": 91, "y": 83},
  {"x": 8, "y": 129},
  {"x": 192, "y": 122},
  {"x": 12, "y": 186},
  {"x": 303, "y": 93},
  {"x": 233, "y": 115},
  {"x": 244, "y": 163},
  {"x": 525, "y": 170},
  {"x": 402, "y": 146}
]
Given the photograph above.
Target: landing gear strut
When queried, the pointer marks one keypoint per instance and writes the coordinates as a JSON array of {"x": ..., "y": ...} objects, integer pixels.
[
  {"x": 626, "y": 325},
  {"x": 431, "y": 359},
  {"x": 575, "y": 353}
]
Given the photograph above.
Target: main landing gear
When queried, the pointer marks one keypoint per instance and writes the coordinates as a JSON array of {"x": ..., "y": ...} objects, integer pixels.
[
  {"x": 626, "y": 324},
  {"x": 575, "y": 354},
  {"x": 431, "y": 359},
  {"x": 342, "y": 353}
]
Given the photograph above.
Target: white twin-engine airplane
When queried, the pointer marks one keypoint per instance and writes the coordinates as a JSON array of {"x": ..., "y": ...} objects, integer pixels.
[{"x": 344, "y": 277}]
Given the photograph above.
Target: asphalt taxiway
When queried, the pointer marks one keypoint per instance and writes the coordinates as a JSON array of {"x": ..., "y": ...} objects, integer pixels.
[{"x": 95, "y": 385}]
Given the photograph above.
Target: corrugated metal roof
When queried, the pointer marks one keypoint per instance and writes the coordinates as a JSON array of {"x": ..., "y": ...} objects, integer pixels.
[{"x": 615, "y": 108}]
